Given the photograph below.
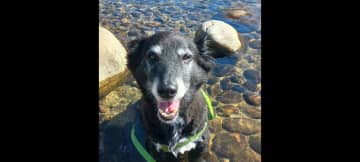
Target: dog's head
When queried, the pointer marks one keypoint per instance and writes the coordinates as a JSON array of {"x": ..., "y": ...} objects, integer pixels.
[{"x": 169, "y": 69}]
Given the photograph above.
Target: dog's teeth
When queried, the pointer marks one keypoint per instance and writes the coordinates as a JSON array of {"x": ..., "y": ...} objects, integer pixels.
[{"x": 166, "y": 114}]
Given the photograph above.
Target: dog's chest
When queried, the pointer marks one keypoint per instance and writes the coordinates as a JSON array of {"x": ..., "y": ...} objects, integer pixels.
[{"x": 183, "y": 149}]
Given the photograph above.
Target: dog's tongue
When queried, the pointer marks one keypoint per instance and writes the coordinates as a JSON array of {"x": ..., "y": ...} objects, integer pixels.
[{"x": 169, "y": 106}]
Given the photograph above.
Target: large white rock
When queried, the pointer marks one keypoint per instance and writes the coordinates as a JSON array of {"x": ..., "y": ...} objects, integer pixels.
[
  {"x": 221, "y": 37},
  {"x": 112, "y": 61}
]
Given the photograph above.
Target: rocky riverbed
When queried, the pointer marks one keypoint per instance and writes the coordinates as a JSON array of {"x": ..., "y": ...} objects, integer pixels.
[{"x": 234, "y": 85}]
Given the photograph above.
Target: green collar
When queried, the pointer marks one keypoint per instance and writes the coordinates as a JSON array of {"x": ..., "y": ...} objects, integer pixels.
[
  {"x": 140, "y": 148},
  {"x": 211, "y": 113},
  {"x": 165, "y": 148},
  {"x": 149, "y": 158}
]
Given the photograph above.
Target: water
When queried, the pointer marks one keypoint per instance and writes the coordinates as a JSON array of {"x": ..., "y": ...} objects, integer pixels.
[{"x": 235, "y": 97}]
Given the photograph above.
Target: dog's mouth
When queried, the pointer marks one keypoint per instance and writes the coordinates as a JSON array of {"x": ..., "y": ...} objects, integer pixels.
[{"x": 168, "y": 109}]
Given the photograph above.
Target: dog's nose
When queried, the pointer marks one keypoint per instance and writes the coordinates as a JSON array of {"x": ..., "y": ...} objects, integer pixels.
[{"x": 167, "y": 91}]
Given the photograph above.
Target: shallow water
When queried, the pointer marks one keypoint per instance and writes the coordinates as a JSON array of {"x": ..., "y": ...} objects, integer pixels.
[{"x": 234, "y": 85}]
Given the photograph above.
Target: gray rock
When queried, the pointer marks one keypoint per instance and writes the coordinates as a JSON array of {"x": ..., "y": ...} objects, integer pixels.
[
  {"x": 222, "y": 38},
  {"x": 112, "y": 61}
]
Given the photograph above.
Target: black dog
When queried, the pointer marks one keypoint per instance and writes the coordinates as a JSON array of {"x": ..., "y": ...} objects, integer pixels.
[{"x": 169, "y": 70}]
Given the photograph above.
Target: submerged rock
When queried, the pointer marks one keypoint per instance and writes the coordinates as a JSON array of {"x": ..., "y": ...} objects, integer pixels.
[
  {"x": 251, "y": 111},
  {"x": 228, "y": 144},
  {"x": 222, "y": 70},
  {"x": 153, "y": 23},
  {"x": 236, "y": 13},
  {"x": 252, "y": 75},
  {"x": 252, "y": 99},
  {"x": 225, "y": 84},
  {"x": 215, "y": 125},
  {"x": 241, "y": 125},
  {"x": 238, "y": 88},
  {"x": 227, "y": 110},
  {"x": 210, "y": 157},
  {"x": 235, "y": 79},
  {"x": 250, "y": 86},
  {"x": 255, "y": 142},
  {"x": 125, "y": 21},
  {"x": 256, "y": 44},
  {"x": 230, "y": 97},
  {"x": 247, "y": 155},
  {"x": 214, "y": 90}
]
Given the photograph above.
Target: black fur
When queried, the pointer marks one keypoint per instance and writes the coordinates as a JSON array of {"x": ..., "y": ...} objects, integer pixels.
[{"x": 192, "y": 110}]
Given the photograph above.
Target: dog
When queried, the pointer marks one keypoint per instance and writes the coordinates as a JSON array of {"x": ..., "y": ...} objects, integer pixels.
[{"x": 169, "y": 70}]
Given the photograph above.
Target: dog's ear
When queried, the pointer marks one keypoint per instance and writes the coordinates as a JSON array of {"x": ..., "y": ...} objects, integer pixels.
[
  {"x": 134, "y": 53},
  {"x": 205, "y": 59},
  {"x": 202, "y": 44},
  {"x": 206, "y": 62}
]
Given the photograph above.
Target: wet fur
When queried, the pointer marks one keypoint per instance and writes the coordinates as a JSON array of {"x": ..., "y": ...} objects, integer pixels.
[{"x": 193, "y": 109}]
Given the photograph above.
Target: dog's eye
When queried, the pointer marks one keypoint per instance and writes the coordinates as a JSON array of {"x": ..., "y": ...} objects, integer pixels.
[
  {"x": 186, "y": 57},
  {"x": 152, "y": 56}
]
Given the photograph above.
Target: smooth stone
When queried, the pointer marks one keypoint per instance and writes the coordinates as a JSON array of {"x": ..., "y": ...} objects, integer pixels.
[
  {"x": 136, "y": 14},
  {"x": 210, "y": 157},
  {"x": 225, "y": 84},
  {"x": 250, "y": 59},
  {"x": 123, "y": 28},
  {"x": 224, "y": 160},
  {"x": 227, "y": 60},
  {"x": 115, "y": 13},
  {"x": 255, "y": 142},
  {"x": 134, "y": 32},
  {"x": 250, "y": 1},
  {"x": 222, "y": 70},
  {"x": 241, "y": 125},
  {"x": 250, "y": 86},
  {"x": 223, "y": 38},
  {"x": 230, "y": 97},
  {"x": 238, "y": 88},
  {"x": 125, "y": 21},
  {"x": 134, "y": 84},
  {"x": 252, "y": 75},
  {"x": 252, "y": 99},
  {"x": 112, "y": 62},
  {"x": 251, "y": 111},
  {"x": 215, "y": 90},
  {"x": 215, "y": 125},
  {"x": 227, "y": 110},
  {"x": 228, "y": 144},
  {"x": 256, "y": 44},
  {"x": 256, "y": 35},
  {"x": 241, "y": 27},
  {"x": 165, "y": 18},
  {"x": 153, "y": 23},
  {"x": 247, "y": 155},
  {"x": 236, "y": 13},
  {"x": 235, "y": 79},
  {"x": 158, "y": 19}
]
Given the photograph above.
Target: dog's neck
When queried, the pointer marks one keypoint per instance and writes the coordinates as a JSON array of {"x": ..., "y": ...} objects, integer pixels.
[{"x": 190, "y": 120}]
